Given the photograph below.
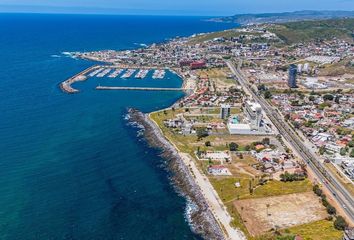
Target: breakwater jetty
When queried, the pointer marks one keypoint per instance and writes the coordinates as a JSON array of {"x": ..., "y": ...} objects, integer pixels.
[
  {"x": 139, "y": 88},
  {"x": 80, "y": 77}
]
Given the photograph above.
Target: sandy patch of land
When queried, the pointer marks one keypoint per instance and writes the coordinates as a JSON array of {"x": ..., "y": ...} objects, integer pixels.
[{"x": 262, "y": 214}]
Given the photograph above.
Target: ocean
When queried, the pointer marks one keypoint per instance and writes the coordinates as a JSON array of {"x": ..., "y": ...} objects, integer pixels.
[{"x": 70, "y": 165}]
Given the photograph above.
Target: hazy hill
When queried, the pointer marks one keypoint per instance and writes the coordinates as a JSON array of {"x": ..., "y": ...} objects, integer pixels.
[
  {"x": 303, "y": 31},
  {"x": 285, "y": 17}
]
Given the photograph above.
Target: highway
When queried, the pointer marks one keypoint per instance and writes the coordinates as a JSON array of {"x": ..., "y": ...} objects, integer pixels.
[{"x": 339, "y": 193}]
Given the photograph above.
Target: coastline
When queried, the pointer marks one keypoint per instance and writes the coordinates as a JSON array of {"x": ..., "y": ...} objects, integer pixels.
[
  {"x": 203, "y": 221},
  {"x": 210, "y": 219}
]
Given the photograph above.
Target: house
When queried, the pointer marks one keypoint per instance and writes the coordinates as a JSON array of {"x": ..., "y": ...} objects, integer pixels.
[
  {"x": 219, "y": 170},
  {"x": 216, "y": 155}
]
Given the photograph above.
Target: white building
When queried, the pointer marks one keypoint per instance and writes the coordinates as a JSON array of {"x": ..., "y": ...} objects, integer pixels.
[
  {"x": 219, "y": 170},
  {"x": 253, "y": 113}
]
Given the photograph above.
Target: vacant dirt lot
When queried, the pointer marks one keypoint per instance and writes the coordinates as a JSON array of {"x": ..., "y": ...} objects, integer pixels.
[{"x": 262, "y": 214}]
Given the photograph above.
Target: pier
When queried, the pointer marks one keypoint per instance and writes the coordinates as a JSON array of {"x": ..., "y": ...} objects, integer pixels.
[{"x": 139, "y": 88}]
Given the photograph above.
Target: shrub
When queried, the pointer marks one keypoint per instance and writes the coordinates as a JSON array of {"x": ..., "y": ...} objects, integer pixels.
[
  {"x": 233, "y": 147},
  {"x": 340, "y": 223},
  {"x": 331, "y": 210},
  {"x": 201, "y": 133}
]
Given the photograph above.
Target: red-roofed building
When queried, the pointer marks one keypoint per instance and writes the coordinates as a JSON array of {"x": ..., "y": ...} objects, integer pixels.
[{"x": 198, "y": 64}]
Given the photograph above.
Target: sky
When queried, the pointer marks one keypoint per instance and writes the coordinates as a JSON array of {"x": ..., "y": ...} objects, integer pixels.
[{"x": 172, "y": 7}]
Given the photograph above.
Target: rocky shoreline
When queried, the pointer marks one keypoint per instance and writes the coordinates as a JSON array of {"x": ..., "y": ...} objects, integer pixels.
[{"x": 201, "y": 218}]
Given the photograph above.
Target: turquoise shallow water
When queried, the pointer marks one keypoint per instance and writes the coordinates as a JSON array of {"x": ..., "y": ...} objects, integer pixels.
[{"x": 70, "y": 167}]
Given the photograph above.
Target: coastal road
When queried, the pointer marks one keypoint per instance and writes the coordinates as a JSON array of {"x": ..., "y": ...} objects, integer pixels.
[
  {"x": 213, "y": 199},
  {"x": 339, "y": 193}
]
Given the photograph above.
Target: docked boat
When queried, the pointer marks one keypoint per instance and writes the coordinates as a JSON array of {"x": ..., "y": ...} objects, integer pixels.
[
  {"x": 104, "y": 73},
  {"x": 159, "y": 74},
  {"x": 115, "y": 73},
  {"x": 128, "y": 73},
  {"x": 94, "y": 73},
  {"x": 142, "y": 74}
]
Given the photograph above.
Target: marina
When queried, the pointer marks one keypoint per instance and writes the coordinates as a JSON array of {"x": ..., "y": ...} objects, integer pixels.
[{"x": 102, "y": 71}]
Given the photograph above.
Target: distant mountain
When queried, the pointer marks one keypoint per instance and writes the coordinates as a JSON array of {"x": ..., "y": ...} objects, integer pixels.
[{"x": 245, "y": 19}]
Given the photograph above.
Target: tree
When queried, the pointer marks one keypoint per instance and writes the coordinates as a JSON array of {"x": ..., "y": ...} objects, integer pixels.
[
  {"x": 312, "y": 98},
  {"x": 201, "y": 133},
  {"x": 267, "y": 95},
  {"x": 328, "y": 97},
  {"x": 297, "y": 125},
  {"x": 340, "y": 223},
  {"x": 317, "y": 190},
  {"x": 262, "y": 87},
  {"x": 331, "y": 210},
  {"x": 322, "y": 150},
  {"x": 343, "y": 151},
  {"x": 266, "y": 141},
  {"x": 207, "y": 143},
  {"x": 287, "y": 116},
  {"x": 351, "y": 144},
  {"x": 233, "y": 147}
]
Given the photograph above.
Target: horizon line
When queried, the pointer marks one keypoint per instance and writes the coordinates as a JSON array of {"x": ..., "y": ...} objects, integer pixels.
[{"x": 28, "y": 9}]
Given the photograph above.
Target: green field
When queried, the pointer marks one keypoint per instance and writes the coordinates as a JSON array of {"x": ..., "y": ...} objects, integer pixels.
[
  {"x": 319, "y": 230},
  {"x": 228, "y": 192}
]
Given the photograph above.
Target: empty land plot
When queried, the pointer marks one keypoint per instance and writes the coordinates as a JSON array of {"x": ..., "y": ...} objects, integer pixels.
[{"x": 262, "y": 214}]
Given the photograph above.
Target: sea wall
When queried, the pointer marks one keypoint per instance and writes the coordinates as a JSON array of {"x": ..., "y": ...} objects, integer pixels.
[{"x": 201, "y": 218}]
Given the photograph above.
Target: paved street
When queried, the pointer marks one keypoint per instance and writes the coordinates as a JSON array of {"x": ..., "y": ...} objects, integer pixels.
[{"x": 339, "y": 193}]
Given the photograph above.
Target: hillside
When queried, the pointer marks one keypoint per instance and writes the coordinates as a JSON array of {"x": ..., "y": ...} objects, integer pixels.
[
  {"x": 293, "y": 32},
  {"x": 305, "y": 31},
  {"x": 244, "y": 19}
]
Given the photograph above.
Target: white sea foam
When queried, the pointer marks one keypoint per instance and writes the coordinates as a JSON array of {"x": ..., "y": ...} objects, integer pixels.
[{"x": 191, "y": 208}]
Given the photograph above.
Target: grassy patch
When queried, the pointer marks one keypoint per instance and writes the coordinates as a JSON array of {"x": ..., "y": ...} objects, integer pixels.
[
  {"x": 225, "y": 34},
  {"x": 319, "y": 230},
  {"x": 227, "y": 191}
]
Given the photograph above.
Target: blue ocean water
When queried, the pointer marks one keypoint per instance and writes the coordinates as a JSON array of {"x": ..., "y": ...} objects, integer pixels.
[{"x": 70, "y": 167}]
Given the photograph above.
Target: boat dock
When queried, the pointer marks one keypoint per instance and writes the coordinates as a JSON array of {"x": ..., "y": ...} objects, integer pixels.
[
  {"x": 66, "y": 85},
  {"x": 104, "y": 73},
  {"x": 139, "y": 88},
  {"x": 129, "y": 73},
  {"x": 142, "y": 74},
  {"x": 116, "y": 73},
  {"x": 159, "y": 74}
]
